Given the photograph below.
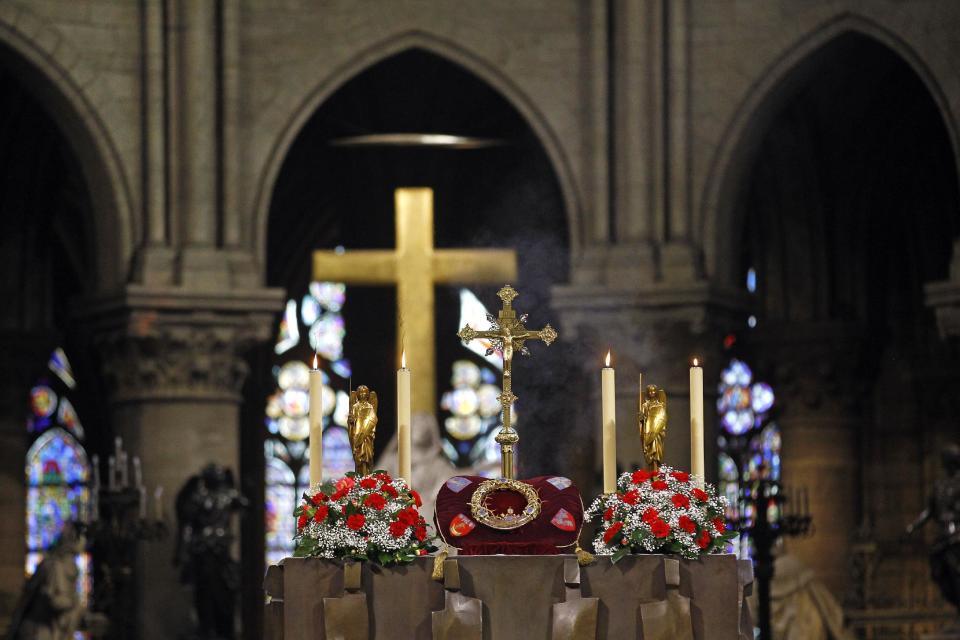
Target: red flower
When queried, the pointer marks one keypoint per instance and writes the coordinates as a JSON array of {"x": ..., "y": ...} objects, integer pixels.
[
  {"x": 397, "y": 529},
  {"x": 422, "y": 552},
  {"x": 319, "y": 498},
  {"x": 369, "y": 483},
  {"x": 421, "y": 533},
  {"x": 681, "y": 476},
  {"x": 321, "y": 513},
  {"x": 389, "y": 490},
  {"x": 408, "y": 516},
  {"x": 375, "y": 500},
  {"x": 704, "y": 539},
  {"x": 680, "y": 501},
  {"x": 700, "y": 495},
  {"x": 719, "y": 525},
  {"x": 416, "y": 498},
  {"x": 660, "y": 528},
  {"x": 343, "y": 509},
  {"x": 355, "y": 522},
  {"x": 641, "y": 475},
  {"x": 612, "y": 532},
  {"x": 302, "y": 521},
  {"x": 650, "y": 514},
  {"x": 631, "y": 497},
  {"x": 384, "y": 478},
  {"x": 659, "y": 485},
  {"x": 687, "y": 524},
  {"x": 345, "y": 484},
  {"x": 608, "y": 514}
]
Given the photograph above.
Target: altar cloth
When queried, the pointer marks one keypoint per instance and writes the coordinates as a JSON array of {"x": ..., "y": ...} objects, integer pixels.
[{"x": 517, "y": 592}]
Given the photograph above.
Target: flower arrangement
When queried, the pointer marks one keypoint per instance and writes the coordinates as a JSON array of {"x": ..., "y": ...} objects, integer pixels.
[
  {"x": 659, "y": 512},
  {"x": 372, "y": 517}
]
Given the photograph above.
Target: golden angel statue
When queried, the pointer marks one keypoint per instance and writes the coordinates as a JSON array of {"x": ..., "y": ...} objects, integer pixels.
[
  {"x": 362, "y": 427},
  {"x": 653, "y": 424}
]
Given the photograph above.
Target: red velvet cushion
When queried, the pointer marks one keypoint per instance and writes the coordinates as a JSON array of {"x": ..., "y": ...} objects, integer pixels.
[{"x": 555, "y": 530}]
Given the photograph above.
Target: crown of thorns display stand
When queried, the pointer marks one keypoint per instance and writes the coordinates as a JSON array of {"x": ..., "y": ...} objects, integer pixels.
[{"x": 370, "y": 516}]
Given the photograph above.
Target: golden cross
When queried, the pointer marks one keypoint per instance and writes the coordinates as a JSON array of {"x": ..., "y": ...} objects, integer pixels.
[
  {"x": 415, "y": 266},
  {"x": 508, "y": 334}
]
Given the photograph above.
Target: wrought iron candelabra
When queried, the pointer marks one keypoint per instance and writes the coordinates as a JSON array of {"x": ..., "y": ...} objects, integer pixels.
[
  {"x": 777, "y": 513},
  {"x": 118, "y": 523}
]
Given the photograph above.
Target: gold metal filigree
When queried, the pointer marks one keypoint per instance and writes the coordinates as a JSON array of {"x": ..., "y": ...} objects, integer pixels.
[
  {"x": 508, "y": 519},
  {"x": 507, "y": 334}
]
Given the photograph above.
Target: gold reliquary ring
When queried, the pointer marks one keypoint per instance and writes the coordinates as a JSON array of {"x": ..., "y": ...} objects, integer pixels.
[{"x": 508, "y": 519}]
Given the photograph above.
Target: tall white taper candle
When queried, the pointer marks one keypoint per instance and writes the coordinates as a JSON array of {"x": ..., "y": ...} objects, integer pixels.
[
  {"x": 403, "y": 421},
  {"x": 609, "y": 419},
  {"x": 316, "y": 424},
  {"x": 696, "y": 421}
]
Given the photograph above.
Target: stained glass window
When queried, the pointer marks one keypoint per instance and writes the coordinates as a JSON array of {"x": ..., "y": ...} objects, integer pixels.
[
  {"x": 317, "y": 315},
  {"x": 57, "y": 470},
  {"x": 471, "y": 407},
  {"x": 749, "y": 441}
]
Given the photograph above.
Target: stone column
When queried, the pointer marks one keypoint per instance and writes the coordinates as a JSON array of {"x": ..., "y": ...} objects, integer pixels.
[
  {"x": 173, "y": 364},
  {"x": 655, "y": 332},
  {"x": 23, "y": 357},
  {"x": 821, "y": 380}
]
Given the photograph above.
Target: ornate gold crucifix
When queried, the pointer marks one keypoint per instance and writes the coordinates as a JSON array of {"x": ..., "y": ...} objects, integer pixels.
[
  {"x": 508, "y": 334},
  {"x": 415, "y": 266}
]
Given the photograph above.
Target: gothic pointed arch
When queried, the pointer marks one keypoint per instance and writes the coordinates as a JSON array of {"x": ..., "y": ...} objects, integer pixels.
[
  {"x": 451, "y": 52},
  {"x": 54, "y": 72},
  {"x": 767, "y": 96}
]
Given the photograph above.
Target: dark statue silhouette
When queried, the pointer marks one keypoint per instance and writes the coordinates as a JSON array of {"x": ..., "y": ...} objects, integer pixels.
[
  {"x": 944, "y": 511},
  {"x": 205, "y": 507}
]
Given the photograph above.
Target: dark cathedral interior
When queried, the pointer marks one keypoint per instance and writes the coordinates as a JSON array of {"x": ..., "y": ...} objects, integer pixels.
[{"x": 771, "y": 187}]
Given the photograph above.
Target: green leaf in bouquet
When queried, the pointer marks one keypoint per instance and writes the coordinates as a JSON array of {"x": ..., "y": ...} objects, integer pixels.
[
  {"x": 619, "y": 554},
  {"x": 305, "y": 548}
]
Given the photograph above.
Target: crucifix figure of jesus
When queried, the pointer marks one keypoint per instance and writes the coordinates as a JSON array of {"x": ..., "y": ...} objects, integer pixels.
[
  {"x": 415, "y": 266},
  {"x": 508, "y": 335}
]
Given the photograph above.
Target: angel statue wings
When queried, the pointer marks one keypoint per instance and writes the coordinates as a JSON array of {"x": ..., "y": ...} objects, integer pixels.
[
  {"x": 362, "y": 427},
  {"x": 653, "y": 424}
]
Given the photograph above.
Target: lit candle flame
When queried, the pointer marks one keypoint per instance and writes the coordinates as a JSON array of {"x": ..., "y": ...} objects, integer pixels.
[
  {"x": 314, "y": 362},
  {"x": 696, "y": 362},
  {"x": 403, "y": 359},
  {"x": 608, "y": 359}
]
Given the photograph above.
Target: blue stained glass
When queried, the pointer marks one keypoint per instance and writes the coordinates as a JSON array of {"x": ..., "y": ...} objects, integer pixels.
[
  {"x": 751, "y": 280},
  {"x": 330, "y": 295},
  {"x": 488, "y": 376},
  {"x": 309, "y": 309},
  {"x": 56, "y": 458},
  {"x": 337, "y": 455},
  {"x": 326, "y": 336},
  {"x": 60, "y": 365},
  {"x": 43, "y": 401},
  {"x": 67, "y": 416},
  {"x": 737, "y": 373},
  {"x": 289, "y": 333},
  {"x": 342, "y": 368},
  {"x": 761, "y": 397}
]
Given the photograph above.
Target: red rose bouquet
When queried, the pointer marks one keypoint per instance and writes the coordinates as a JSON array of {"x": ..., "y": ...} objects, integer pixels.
[
  {"x": 663, "y": 512},
  {"x": 372, "y": 517}
]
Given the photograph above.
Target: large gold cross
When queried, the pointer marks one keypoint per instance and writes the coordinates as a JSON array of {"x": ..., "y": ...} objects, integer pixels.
[
  {"x": 415, "y": 266},
  {"x": 508, "y": 335}
]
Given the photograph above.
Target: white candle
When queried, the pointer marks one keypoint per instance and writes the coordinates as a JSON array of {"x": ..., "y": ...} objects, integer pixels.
[
  {"x": 316, "y": 424},
  {"x": 696, "y": 421},
  {"x": 95, "y": 463},
  {"x": 609, "y": 419},
  {"x": 137, "y": 472},
  {"x": 403, "y": 420},
  {"x": 111, "y": 473}
]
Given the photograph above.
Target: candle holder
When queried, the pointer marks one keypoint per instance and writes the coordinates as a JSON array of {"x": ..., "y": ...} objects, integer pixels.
[{"x": 114, "y": 537}]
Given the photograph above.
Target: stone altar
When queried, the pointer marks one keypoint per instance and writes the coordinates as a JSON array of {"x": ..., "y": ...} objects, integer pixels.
[{"x": 517, "y": 594}]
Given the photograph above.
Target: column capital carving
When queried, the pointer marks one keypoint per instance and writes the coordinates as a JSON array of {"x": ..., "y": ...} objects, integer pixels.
[{"x": 168, "y": 343}]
